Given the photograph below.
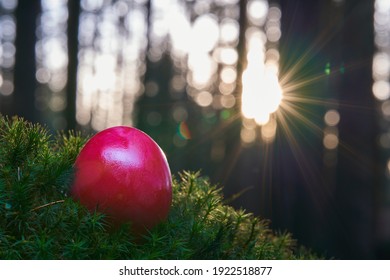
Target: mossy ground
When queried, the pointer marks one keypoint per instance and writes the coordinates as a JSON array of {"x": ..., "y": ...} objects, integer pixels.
[{"x": 38, "y": 220}]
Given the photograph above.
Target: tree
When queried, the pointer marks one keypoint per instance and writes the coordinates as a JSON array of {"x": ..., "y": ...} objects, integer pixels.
[
  {"x": 24, "y": 76},
  {"x": 71, "y": 86},
  {"x": 357, "y": 173}
]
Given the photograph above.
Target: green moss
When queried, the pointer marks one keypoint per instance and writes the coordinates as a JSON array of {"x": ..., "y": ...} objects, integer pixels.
[{"x": 39, "y": 221}]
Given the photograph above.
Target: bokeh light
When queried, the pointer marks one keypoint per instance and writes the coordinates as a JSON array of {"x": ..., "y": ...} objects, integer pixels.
[
  {"x": 261, "y": 91},
  {"x": 52, "y": 62},
  {"x": 111, "y": 58},
  {"x": 119, "y": 42},
  {"x": 332, "y": 117},
  {"x": 331, "y": 140},
  {"x": 7, "y": 46},
  {"x": 381, "y": 65}
]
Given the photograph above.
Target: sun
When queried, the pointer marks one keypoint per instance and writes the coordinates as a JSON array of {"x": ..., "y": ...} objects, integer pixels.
[{"x": 262, "y": 94}]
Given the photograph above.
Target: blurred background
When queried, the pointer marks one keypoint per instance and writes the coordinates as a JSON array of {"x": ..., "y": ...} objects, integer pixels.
[{"x": 285, "y": 104}]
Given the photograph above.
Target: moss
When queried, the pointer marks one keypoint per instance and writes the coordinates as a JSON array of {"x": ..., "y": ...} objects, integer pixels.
[{"x": 38, "y": 220}]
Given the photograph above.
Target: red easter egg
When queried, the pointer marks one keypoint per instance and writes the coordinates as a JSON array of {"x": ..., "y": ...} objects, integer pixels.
[{"x": 123, "y": 173}]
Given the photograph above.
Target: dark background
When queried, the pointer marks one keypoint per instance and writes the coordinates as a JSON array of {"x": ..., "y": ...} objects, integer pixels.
[{"x": 334, "y": 201}]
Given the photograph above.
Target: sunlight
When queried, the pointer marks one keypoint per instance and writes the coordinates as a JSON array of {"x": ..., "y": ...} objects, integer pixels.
[
  {"x": 204, "y": 34},
  {"x": 111, "y": 59},
  {"x": 261, "y": 93},
  {"x": 203, "y": 38},
  {"x": 381, "y": 71},
  {"x": 179, "y": 28}
]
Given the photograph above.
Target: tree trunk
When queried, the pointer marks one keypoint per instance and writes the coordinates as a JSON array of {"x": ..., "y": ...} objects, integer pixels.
[
  {"x": 358, "y": 132},
  {"x": 71, "y": 87},
  {"x": 24, "y": 76}
]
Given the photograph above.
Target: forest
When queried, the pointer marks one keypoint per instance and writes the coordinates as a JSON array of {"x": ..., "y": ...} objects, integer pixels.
[{"x": 282, "y": 103}]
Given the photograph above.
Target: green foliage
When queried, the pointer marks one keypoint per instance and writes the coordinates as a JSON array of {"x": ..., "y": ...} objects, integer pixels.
[{"x": 39, "y": 221}]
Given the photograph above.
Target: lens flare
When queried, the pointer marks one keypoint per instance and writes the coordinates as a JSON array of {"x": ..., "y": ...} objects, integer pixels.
[{"x": 183, "y": 131}]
